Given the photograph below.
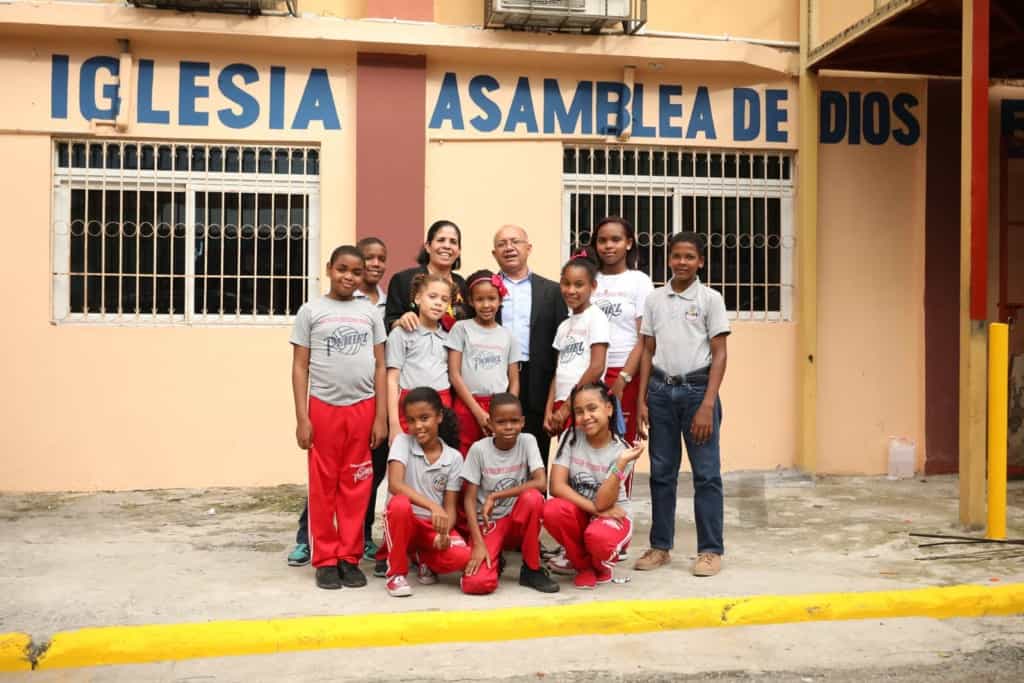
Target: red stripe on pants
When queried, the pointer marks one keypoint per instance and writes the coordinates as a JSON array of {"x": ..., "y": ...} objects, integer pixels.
[
  {"x": 520, "y": 529},
  {"x": 406, "y": 533},
  {"x": 340, "y": 479},
  {"x": 446, "y": 399},
  {"x": 469, "y": 428},
  {"x": 589, "y": 541}
]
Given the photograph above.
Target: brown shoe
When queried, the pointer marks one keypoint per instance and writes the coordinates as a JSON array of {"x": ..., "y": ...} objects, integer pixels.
[
  {"x": 707, "y": 564},
  {"x": 652, "y": 559}
]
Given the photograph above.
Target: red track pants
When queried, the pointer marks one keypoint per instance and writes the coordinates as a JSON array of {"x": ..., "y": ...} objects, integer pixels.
[
  {"x": 520, "y": 529},
  {"x": 469, "y": 428},
  {"x": 340, "y": 479},
  {"x": 589, "y": 542},
  {"x": 405, "y": 533}
]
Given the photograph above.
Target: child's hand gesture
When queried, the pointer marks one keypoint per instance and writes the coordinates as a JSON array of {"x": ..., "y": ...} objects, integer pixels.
[
  {"x": 484, "y": 420},
  {"x": 614, "y": 512},
  {"x": 643, "y": 420},
  {"x": 488, "y": 509},
  {"x": 631, "y": 455},
  {"x": 477, "y": 558},
  {"x": 304, "y": 434},
  {"x": 408, "y": 322},
  {"x": 442, "y": 542},
  {"x": 439, "y": 520},
  {"x": 701, "y": 427}
]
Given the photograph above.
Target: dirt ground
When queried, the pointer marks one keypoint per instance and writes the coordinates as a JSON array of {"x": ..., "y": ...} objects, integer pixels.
[{"x": 73, "y": 560}]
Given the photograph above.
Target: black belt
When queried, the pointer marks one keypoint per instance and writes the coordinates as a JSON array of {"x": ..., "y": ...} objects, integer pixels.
[{"x": 695, "y": 377}]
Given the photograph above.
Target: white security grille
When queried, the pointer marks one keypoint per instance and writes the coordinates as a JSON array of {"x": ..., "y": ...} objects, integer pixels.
[
  {"x": 741, "y": 203},
  {"x": 150, "y": 232}
]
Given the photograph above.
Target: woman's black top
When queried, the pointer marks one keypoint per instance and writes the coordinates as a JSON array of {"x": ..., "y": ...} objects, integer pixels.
[{"x": 400, "y": 301}]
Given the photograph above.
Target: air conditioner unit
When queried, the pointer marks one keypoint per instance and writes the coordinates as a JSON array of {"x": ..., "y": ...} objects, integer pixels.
[
  {"x": 251, "y": 7},
  {"x": 590, "y": 15}
]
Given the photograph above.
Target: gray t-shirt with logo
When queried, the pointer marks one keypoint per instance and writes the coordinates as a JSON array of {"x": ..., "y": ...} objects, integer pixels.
[
  {"x": 430, "y": 480},
  {"x": 486, "y": 354},
  {"x": 494, "y": 470},
  {"x": 340, "y": 336},
  {"x": 588, "y": 467},
  {"x": 420, "y": 356}
]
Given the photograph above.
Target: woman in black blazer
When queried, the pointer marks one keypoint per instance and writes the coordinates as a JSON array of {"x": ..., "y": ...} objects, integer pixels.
[{"x": 440, "y": 255}]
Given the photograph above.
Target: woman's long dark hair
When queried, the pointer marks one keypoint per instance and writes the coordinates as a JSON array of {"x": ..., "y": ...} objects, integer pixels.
[
  {"x": 424, "y": 258},
  {"x": 569, "y": 435},
  {"x": 448, "y": 430}
]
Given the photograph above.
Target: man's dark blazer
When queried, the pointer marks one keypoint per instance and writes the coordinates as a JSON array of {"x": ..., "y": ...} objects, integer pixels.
[{"x": 547, "y": 310}]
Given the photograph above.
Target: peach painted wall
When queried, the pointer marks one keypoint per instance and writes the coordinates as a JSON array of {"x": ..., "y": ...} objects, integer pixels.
[
  {"x": 108, "y": 407},
  {"x": 870, "y": 294}
]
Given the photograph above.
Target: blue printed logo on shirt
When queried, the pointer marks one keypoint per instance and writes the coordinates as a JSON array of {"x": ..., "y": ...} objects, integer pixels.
[
  {"x": 572, "y": 348},
  {"x": 611, "y": 309},
  {"x": 346, "y": 341},
  {"x": 485, "y": 360}
]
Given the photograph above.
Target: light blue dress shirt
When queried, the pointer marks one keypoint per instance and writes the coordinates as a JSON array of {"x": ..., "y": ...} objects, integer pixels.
[{"x": 515, "y": 311}]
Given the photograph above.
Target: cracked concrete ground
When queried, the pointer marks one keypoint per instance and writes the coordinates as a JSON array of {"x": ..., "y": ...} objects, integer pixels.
[{"x": 75, "y": 560}]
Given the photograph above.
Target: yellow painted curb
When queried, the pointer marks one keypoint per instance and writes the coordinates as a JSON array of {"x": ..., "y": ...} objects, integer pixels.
[
  {"x": 14, "y": 652},
  {"x": 136, "y": 644}
]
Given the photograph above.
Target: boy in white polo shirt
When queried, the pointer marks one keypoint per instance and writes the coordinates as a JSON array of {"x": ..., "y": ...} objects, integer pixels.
[{"x": 684, "y": 329}]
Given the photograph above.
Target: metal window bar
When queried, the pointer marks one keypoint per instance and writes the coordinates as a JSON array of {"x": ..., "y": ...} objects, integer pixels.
[
  {"x": 739, "y": 201},
  {"x": 135, "y": 224}
]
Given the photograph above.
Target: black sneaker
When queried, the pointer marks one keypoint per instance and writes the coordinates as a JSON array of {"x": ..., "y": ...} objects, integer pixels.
[
  {"x": 328, "y": 578},
  {"x": 501, "y": 564},
  {"x": 380, "y": 568},
  {"x": 537, "y": 579},
  {"x": 351, "y": 575}
]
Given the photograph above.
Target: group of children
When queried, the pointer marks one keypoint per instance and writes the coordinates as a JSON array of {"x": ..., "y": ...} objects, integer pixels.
[{"x": 465, "y": 483}]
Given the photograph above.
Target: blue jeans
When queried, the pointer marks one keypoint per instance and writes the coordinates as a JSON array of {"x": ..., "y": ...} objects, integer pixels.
[{"x": 671, "y": 409}]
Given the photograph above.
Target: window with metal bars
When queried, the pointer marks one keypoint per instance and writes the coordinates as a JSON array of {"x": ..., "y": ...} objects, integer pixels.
[
  {"x": 182, "y": 233},
  {"x": 740, "y": 202}
]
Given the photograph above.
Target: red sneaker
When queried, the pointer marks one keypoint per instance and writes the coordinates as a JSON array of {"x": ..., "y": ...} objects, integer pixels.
[{"x": 585, "y": 580}]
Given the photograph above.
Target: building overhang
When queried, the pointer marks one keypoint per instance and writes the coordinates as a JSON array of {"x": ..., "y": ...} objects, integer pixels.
[{"x": 923, "y": 37}]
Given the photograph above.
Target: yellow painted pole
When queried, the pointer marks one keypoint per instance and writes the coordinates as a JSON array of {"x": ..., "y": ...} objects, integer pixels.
[
  {"x": 998, "y": 388},
  {"x": 807, "y": 252}
]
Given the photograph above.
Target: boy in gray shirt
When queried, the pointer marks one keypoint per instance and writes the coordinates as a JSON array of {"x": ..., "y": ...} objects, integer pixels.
[{"x": 504, "y": 500}]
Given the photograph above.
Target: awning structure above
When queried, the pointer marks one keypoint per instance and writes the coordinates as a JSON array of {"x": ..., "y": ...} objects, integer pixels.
[{"x": 923, "y": 37}]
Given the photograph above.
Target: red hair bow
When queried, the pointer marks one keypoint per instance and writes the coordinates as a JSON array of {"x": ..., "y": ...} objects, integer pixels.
[
  {"x": 495, "y": 280},
  {"x": 582, "y": 253}
]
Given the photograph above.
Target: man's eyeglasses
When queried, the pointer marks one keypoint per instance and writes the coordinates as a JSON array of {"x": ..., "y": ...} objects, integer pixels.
[{"x": 509, "y": 243}]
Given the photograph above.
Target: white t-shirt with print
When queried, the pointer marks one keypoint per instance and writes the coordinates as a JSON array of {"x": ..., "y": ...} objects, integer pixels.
[
  {"x": 573, "y": 341},
  {"x": 621, "y": 297}
]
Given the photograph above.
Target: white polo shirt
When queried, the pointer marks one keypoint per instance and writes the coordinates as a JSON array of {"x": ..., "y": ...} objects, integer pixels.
[{"x": 683, "y": 325}]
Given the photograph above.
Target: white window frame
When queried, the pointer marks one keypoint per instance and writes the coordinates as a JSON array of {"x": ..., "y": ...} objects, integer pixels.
[
  {"x": 676, "y": 187},
  {"x": 66, "y": 179}
]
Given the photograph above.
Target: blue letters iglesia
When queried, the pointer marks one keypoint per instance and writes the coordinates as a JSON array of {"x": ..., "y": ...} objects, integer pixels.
[{"x": 194, "y": 82}]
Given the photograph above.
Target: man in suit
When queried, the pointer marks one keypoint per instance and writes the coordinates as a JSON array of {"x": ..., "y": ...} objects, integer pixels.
[{"x": 531, "y": 311}]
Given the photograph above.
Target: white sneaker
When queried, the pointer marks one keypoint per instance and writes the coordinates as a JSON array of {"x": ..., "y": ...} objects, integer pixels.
[
  {"x": 623, "y": 555},
  {"x": 560, "y": 564},
  {"x": 425, "y": 576},
  {"x": 398, "y": 587}
]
